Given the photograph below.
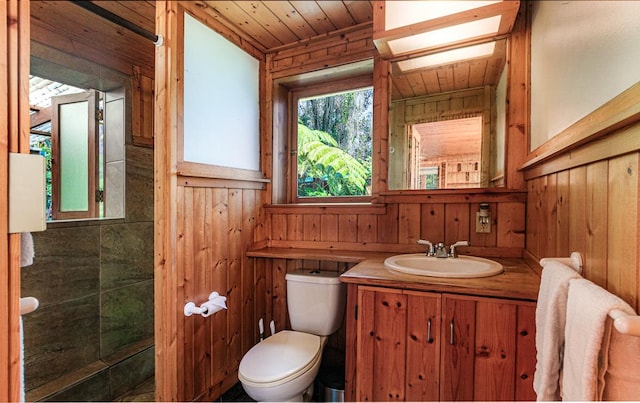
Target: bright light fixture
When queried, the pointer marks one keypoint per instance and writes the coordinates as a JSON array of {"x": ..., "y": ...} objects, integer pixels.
[
  {"x": 447, "y": 57},
  {"x": 402, "y": 28},
  {"x": 402, "y": 13},
  {"x": 444, "y": 36}
]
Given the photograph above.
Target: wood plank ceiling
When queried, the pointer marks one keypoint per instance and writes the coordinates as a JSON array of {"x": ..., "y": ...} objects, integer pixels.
[{"x": 268, "y": 25}]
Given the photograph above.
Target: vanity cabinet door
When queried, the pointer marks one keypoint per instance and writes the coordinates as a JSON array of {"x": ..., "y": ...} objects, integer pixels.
[
  {"x": 381, "y": 345},
  {"x": 488, "y": 350},
  {"x": 458, "y": 345},
  {"x": 423, "y": 346}
]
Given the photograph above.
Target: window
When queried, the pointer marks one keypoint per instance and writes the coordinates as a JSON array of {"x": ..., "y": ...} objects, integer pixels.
[
  {"x": 333, "y": 139},
  {"x": 68, "y": 127}
]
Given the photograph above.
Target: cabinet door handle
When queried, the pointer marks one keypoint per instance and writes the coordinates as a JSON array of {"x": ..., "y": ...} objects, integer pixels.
[
  {"x": 451, "y": 339},
  {"x": 429, "y": 338}
]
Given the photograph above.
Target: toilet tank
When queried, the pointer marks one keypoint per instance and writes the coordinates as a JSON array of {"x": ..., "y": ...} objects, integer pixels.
[{"x": 316, "y": 301}]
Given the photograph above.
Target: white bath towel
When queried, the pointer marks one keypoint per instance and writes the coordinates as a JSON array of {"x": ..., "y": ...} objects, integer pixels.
[
  {"x": 550, "y": 323},
  {"x": 587, "y": 308},
  {"x": 27, "y": 252}
]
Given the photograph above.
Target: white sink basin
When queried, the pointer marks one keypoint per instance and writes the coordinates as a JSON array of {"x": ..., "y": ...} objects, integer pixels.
[{"x": 460, "y": 267}]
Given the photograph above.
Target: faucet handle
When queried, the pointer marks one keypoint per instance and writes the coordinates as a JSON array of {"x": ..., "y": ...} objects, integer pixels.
[
  {"x": 424, "y": 242},
  {"x": 452, "y": 248}
]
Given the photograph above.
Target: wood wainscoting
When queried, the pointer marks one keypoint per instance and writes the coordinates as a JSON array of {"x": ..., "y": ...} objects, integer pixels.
[
  {"x": 587, "y": 199},
  {"x": 402, "y": 219}
]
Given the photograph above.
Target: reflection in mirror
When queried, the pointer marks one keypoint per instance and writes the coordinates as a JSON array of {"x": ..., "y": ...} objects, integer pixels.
[{"x": 447, "y": 122}]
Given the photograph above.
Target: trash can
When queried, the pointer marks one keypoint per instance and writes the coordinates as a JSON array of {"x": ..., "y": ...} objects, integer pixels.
[{"x": 332, "y": 387}]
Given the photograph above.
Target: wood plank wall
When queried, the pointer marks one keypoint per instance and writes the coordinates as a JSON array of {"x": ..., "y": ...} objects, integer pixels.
[
  {"x": 14, "y": 137},
  {"x": 396, "y": 225},
  {"x": 588, "y": 200},
  {"x": 216, "y": 226},
  {"x": 206, "y": 219}
]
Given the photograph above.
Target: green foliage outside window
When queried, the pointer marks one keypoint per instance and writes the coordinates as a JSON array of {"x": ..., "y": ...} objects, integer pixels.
[{"x": 334, "y": 144}]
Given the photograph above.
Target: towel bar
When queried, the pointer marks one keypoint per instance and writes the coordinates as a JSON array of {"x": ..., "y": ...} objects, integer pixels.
[
  {"x": 574, "y": 261},
  {"x": 625, "y": 323}
]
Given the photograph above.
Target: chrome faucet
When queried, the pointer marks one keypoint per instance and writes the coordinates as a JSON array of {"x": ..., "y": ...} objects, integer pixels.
[
  {"x": 430, "y": 252},
  {"x": 440, "y": 250}
]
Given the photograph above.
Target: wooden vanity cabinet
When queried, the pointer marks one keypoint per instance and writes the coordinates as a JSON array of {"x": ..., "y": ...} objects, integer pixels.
[{"x": 428, "y": 346}]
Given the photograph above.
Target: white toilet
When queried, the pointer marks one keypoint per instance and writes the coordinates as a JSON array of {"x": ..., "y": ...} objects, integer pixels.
[{"x": 283, "y": 367}]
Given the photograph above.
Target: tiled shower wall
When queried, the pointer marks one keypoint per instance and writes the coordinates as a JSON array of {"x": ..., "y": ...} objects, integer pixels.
[{"x": 92, "y": 336}]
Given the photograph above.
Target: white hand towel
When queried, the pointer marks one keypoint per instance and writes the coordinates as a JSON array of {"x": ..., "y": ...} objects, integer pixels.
[
  {"x": 27, "y": 252},
  {"x": 587, "y": 308},
  {"x": 550, "y": 323}
]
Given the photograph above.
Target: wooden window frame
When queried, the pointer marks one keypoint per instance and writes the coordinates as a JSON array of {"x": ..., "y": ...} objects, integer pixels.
[
  {"x": 92, "y": 99},
  {"x": 319, "y": 89}
]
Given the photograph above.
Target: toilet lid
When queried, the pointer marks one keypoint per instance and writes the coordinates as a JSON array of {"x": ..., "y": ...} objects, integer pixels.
[{"x": 279, "y": 356}]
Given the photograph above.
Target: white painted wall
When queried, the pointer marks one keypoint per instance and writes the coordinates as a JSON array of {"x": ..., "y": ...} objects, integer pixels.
[
  {"x": 501, "y": 99},
  {"x": 221, "y": 100},
  {"x": 583, "y": 53}
]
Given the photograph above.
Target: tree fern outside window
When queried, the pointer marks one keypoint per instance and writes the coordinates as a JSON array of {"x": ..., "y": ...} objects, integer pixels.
[{"x": 335, "y": 144}]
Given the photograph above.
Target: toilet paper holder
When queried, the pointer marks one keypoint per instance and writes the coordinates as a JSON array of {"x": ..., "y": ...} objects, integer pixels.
[{"x": 215, "y": 303}]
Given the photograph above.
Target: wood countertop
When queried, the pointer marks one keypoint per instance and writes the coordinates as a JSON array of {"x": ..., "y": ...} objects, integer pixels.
[{"x": 518, "y": 281}]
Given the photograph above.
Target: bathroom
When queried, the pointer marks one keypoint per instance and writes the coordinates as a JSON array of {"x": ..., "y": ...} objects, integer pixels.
[{"x": 539, "y": 212}]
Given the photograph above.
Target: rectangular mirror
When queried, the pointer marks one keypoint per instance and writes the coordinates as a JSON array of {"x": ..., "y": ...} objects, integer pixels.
[{"x": 447, "y": 119}]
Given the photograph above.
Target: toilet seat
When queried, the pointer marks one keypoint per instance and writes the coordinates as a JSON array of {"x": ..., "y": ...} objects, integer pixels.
[{"x": 280, "y": 358}]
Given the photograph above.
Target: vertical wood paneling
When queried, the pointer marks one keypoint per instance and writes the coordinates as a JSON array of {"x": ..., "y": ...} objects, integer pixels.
[
  {"x": 215, "y": 227},
  {"x": 167, "y": 332},
  {"x": 432, "y": 222},
  {"x": 408, "y": 223},
  {"x": 351, "y": 332},
  {"x": 365, "y": 358},
  {"x": 526, "y": 353},
  {"x": 563, "y": 213},
  {"x": 533, "y": 224},
  {"x": 388, "y": 225},
  {"x": 367, "y": 228},
  {"x": 219, "y": 268},
  {"x": 295, "y": 227},
  {"x": 329, "y": 227},
  {"x": 279, "y": 226},
  {"x": 234, "y": 279},
  {"x": 250, "y": 207},
  {"x": 311, "y": 225},
  {"x": 390, "y": 316},
  {"x": 578, "y": 208},
  {"x": 423, "y": 348},
  {"x": 456, "y": 223},
  {"x": 623, "y": 248},
  {"x": 262, "y": 293},
  {"x": 495, "y": 351},
  {"x": 456, "y": 361},
  {"x": 279, "y": 297},
  {"x": 14, "y": 137},
  {"x": 510, "y": 227},
  {"x": 597, "y": 213},
  {"x": 187, "y": 264},
  {"x": 348, "y": 228},
  {"x": 595, "y": 264},
  {"x": 197, "y": 259},
  {"x": 548, "y": 215}
]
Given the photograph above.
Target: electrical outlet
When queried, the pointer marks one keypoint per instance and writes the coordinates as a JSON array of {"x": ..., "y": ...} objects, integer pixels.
[{"x": 483, "y": 228}]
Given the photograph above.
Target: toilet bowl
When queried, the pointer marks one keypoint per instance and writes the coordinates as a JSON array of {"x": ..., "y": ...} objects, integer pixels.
[{"x": 284, "y": 366}]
